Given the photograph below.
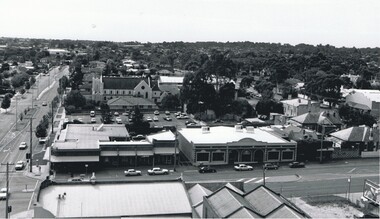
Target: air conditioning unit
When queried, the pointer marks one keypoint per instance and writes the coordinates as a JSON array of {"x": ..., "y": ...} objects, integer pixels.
[
  {"x": 205, "y": 129},
  {"x": 250, "y": 129},
  {"x": 238, "y": 128}
]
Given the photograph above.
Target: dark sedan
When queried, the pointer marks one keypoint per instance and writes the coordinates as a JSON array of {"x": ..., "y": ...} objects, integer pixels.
[
  {"x": 207, "y": 170},
  {"x": 270, "y": 166},
  {"x": 297, "y": 165}
]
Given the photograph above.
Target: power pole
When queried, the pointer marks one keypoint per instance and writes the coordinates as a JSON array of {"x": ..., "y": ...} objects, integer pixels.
[
  {"x": 7, "y": 194},
  {"x": 175, "y": 148},
  {"x": 31, "y": 146},
  {"x": 52, "y": 118},
  {"x": 264, "y": 175},
  {"x": 16, "y": 114}
]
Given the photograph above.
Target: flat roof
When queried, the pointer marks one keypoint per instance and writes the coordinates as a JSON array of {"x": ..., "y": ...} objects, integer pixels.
[
  {"x": 116, "y": 200},
  {"x": 171, "y": 79},
  {"x": 223, "y": 135},
  {"x": 162, "y": 136}
]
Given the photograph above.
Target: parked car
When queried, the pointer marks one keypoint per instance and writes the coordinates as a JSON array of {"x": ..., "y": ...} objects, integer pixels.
[
  {"x": 138, "y": 137},
  {"x": 80, "y": 119},
  {"x": 118, "y": 120},
  {"x": 297, "y": 164},
  {"x": 75, "y": 179},
  {"x": 168, "y": 118},
  {"x": 42, "y": 140},
  {"x": 125, "y": 114},
  {"x": 20, "y": 165},
  {"x": 92, "y": 113},
  {"x": 93, "y": 120},
  {"x": 155, "y": 119},
  {"x": 158, "y": 171},
  {"x": 44, "y": 103},
  {"x": 116, "y": 114},
  {"x": 149, "y": 119},
  {"x": 167, "y": 113},
  {"x": 132, "y": 172},
  {"x": 156, "y": 112},
  {"x": 22, "y": 145},
  {"x": 3, "y": 194},
  {"x": 270, "y": 166},
  {"x": 177, "y": 113},
  {"x": 206, "y": 170},
  {"x": 242, "y": 167}
]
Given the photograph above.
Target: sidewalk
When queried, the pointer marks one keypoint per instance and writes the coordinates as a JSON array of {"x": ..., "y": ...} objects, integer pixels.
[{"x": 40, "y": 172}]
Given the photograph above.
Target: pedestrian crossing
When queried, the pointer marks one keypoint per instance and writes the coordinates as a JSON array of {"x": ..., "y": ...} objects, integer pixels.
[{"x": 252, "y": 180}]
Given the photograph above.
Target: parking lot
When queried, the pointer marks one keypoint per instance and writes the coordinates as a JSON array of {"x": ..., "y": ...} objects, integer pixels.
[{"x": 160, "y": 122}]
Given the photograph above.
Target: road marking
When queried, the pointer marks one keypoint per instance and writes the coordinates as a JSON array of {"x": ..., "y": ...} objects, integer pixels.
[
  {"x": 259, "y": 181},
  {"x": 240, "y": 180},
  {"x": 351, "y": 170},
  {"x": 250, "y": 180},
  {"x": 31, "y": 198}
]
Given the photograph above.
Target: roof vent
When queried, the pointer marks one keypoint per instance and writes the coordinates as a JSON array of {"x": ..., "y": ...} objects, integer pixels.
[
  {"x": 250, "y": 129},
  {"x": 100, "y": 128},
  {"x": 205, "y": 129},
  {"x": 238, "y": 128}
]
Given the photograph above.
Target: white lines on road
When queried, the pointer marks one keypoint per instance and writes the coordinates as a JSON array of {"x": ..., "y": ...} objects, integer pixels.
[
  {"x": 31, "y": 198},
  {"x": 239, "y": 180},
  {"x": 261, "y": 180},
  {"x": 250, "y": 180},
  {"x": 253, "y": 180},
  {"x": 351, "y": 170}
]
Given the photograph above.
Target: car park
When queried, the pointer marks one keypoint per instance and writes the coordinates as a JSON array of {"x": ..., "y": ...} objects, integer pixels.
[
  {"x": 118, "y": 120},
  {"x": 155, "y": 119},
  {"x": 3, "y": 194},
  {"x": 93, "y": 120},
  {"x": 296, "y": 164},
  {"x": 158, "y": 171},
  {"x": 132, "y": 172},
  {"x": 20, "y": 165},
  {"x": 206, "y": 170},
  {"x": 22, "y": 145},
  {"x": 243, "y": 167},
  {"x": 270, "y": 166},
  {"x": 156, "y": 112}
]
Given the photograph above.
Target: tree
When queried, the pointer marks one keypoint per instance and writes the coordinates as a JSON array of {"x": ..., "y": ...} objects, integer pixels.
[
  {"x": 265, "y": 107},
  {"x": 6, "y": 103},
  {"x": 32, "y": 80},
  {"x": 138, "y": 124},
  {"x": 27, "y": 85},
  {"x": 75, "y": 98},
  {"x": 41, "y": 131},
  {"x": 242, "y": 108},
  {"x": 170, "y": 102},
  {"x": 63, "y": 82},
  {"x": 19, "y": 79},
  {"x": 22, "y": 91}
]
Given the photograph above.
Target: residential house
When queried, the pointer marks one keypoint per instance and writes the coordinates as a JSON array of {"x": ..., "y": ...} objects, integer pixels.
[
  {"x": 325, "y": 121},
  {"x": 228, "y": 145},
  {"x": 365, "y": 100},
  {"x": 298, "y": 106}
]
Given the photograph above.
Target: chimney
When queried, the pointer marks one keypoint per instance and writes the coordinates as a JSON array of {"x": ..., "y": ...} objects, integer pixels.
[
  {"x": 238, "y": 128},
  {"x": 205, "y": 129},
  {"x": 299, "y": 100}
]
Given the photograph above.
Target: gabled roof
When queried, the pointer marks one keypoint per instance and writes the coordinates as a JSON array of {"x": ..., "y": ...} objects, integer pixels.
[
  {"x": 325, "y": 118},
  {"x": 244, "y": 213},
  {"x": 264, "y": 200},
  {"x": 197, "y": 192},
  {"x": 356, "y": 134},
  {"x": 121, "y": 83},
  {"x": 285, "y": 212}
]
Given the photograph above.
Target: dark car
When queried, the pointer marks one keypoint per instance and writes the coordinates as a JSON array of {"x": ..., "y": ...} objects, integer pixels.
[
  {"x": 207, "y": 170},
  {"x": 297, "y": 165},
  {"x": 270, "y": 166}
]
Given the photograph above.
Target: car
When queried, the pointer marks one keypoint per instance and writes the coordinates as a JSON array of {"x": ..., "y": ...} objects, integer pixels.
[
  {"x": 156, "y": 112},
  {"x": 130, "y": 120},
  {"x": 270, "y": 166},
  {"x": 149, "y": 119},
  {"x": 132, "y": 172},
  {"x": 80, "y": 119},
  {"x": 168, "y": 118},
  {"x": 92, "y": 113},
  {"x": 3, "y": 194},
  {"x": 125, "y": 114},
  {"x": 116, "y": 114},
  {"x": 44, "y": 103},
  {"x": 66, "y": 120},
  {"x": 118, "y": 120},
  {"x": 177, "y": 113},
  {"x": 139, "y": 137},
  {"x": 296, "y": 164},
  {"x": 158, "y": 171},
  {"x": 22, "y": 145},
  {"x": 75, "y": 179},
  {"x": 93, "y": 120},
  {"x": 218, "y": 121},
  {"x": 188, "y": 122},
  {"x": 206, "y": 170},
  {"x": 42, "y": 140},
  {"x": 20, "y": 165},
  {"x": 167, "y": 113},
  {"x": 155, "y": 119},
  {"x": 242, "y": 167}
]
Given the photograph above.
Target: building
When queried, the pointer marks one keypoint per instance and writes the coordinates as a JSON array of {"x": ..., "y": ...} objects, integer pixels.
[
  {"x": 296, "y": 107},
  {"x": 170, "y": 85},
  {"x": 114, "y": 87},
  {"x": 227, "y": 145},
  {"x": 58, "y": 52},
  {"x": 129, "y": 103},
  {"x": 325, "y": 121},
  {"x": 165, "y": 199},
  {"x": 261, "y": 202},
  {"x": 365, "y": 100},
  {"x": 87, "y": 146}
]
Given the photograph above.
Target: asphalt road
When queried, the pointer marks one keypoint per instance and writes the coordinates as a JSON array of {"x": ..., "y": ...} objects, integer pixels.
[{"x": 22, "y": 187}]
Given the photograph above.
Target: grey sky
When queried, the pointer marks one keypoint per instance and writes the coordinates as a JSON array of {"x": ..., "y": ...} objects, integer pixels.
[{"x": 336, "y": 22}]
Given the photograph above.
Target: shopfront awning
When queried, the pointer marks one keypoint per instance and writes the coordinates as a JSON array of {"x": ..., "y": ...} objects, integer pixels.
[
  {"x": 127, "y": 153},
  {"x": 326, "y": 149},
  {"x": 144, "y": 153},
  {"x": 108, "y": 153},
  {"x": 72, "y": 159},
  {"x": 165, "y": 150}
]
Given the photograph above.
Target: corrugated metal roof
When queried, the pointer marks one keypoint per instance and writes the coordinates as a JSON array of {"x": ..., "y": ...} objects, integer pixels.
[
  {"x": 285, "y": 212},
  {"x": 244, "y": 213},
  {"x": 197, "y": 192},
  {"x": 116, "y": 200},
  {"x": 68, "y": 159},
  {"x": 121, "y": 83},
  {"x": 263, "y": 200}
]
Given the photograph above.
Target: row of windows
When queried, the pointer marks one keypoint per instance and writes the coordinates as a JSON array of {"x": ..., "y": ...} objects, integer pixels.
[{"x": 220, "y": 156}]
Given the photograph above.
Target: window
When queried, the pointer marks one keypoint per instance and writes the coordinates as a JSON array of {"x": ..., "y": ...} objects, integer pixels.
[
  {"x": 110, "y": 91},
  {"x": 273, "y": 155},
  {"x": 218, "y": 156},
  {"x": 203, "y": 156},
  {"x": 117, "y": 92},
  {"x": 287, "y": 155},
  {"x": 130, "y": 92},
  {"x": 143, "y": 87}
]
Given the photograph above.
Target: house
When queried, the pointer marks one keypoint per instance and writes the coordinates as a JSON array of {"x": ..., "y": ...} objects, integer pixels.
[
  {"x": 58, "y": 52},
  {"x": 228, "y": 145},
  {"x": 325, "y": 121},
  {"x": 170, "y": 85},
  {"x": 164, "y": 199},
  {"x": 298, "y": 106},
  {"x": 261, "y": 202},
  {"x": 129, "y": 103},
  {"x": 114, "y": 87},
  {"x": 365, "y": 100}
]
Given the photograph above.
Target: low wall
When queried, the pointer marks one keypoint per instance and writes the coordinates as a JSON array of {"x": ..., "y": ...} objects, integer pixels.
[
  {"x": 370, "y": 154},
  {"x": 345, "y": 153}
]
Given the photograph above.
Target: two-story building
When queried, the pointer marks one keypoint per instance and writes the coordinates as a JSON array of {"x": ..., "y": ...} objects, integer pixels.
[{"x": 296, "y": 107}]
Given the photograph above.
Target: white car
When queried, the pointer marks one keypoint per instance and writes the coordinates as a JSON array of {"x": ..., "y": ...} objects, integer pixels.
[
  {"x": 242, "y": 167},
  {"x": 22, "y": 145},
  {"x": 20, "y": 165},
  {"x": 156, "y": 112},
  {"x": 155, "y": 119},
  {"x": 116, "y": 114},
  {"x": 132, "y": 172},
  {"x": 149, "y": 119},
  {"x": 93, "y": 120},
  {"x": 80, "y": 119},
  {"x": 118, "y": 120},
  {"x": 92, "y": 113},
  {"x": 3, "y": 194},
  {"x": 158, "y": 171}
]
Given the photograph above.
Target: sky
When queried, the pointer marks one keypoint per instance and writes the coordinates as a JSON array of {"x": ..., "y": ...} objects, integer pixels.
[{"x": 348, "y": 23}]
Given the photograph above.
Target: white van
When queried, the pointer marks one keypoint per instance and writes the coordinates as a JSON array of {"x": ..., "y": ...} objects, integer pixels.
[{"x": 92, "y": 113}]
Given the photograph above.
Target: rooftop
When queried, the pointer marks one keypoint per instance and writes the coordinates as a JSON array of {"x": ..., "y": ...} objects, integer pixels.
[
  {"x": 121, "y": 83},
  {"x": 162, "y": 136},
  {"x": 373, "y": 95},
  {"x": 297, "y": 102},
  {"x": 133, "y": 199},
  {"x": 223, "y": 135},
  {"x": 129, "y": 101},
  {"x": 171, "y": 79}
]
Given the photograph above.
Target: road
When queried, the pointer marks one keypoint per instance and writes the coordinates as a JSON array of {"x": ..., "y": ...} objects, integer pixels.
[{"x": 22, "y": 187}]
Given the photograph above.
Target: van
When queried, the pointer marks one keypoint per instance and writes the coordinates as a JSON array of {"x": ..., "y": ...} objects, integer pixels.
[{"x": 92, "y": 113}]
